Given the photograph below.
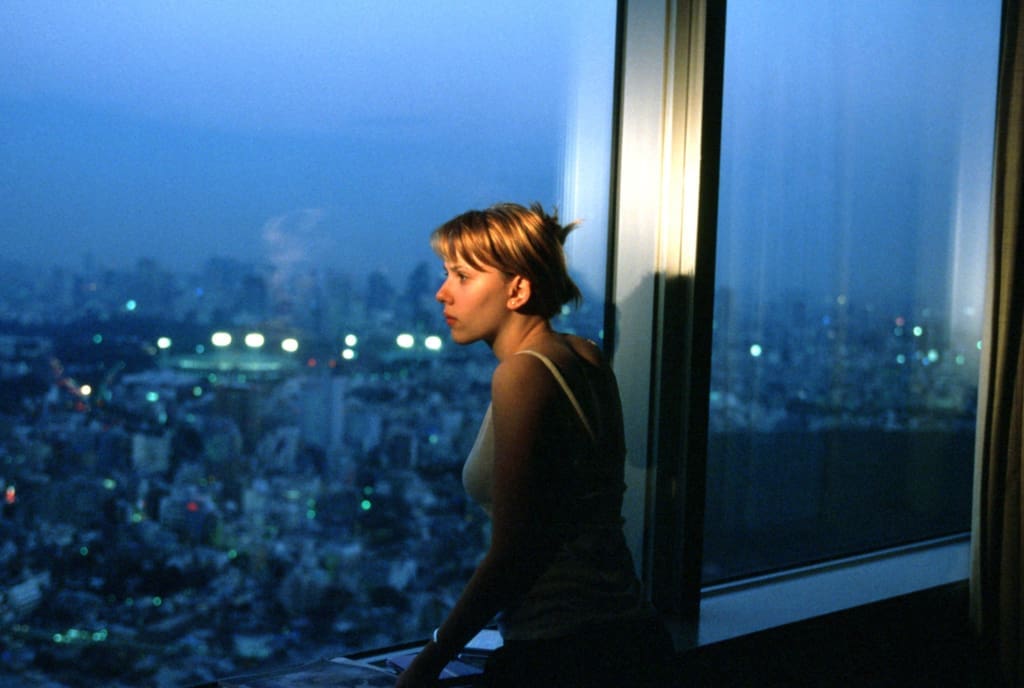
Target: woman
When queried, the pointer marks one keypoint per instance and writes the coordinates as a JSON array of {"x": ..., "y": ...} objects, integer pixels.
[{"x": 547, "y": 466}]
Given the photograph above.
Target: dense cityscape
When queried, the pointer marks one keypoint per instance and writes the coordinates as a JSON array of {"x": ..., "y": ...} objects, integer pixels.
[
  {"x": 206, "y": 474},
  {"x": 178, "y": 507}
]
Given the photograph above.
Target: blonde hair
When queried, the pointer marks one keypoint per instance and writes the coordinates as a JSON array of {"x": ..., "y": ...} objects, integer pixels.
[{"x": 514, "y": 240}]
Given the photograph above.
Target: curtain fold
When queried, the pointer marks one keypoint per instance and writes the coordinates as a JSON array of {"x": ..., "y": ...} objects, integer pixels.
[{"x": 997, "y": 595}]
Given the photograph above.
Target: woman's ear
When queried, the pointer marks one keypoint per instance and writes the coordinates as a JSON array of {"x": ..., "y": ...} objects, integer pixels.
[{"x": 519, "y": 290}]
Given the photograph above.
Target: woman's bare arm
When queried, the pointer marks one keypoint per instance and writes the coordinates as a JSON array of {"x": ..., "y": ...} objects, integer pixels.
[{"x": 522, "y": 394}]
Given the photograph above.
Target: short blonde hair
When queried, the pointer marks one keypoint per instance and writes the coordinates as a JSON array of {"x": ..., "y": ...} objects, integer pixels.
[{"x": 514, "y": 240}]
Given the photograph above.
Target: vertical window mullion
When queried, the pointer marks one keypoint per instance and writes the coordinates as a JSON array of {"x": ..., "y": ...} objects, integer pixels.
[{"x": 665, "y": 253}]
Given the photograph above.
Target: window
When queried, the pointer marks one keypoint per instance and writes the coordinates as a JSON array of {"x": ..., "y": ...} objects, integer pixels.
[
  {"x": 231, "y": 422},
  {"x": 853, "y": 217},
  {"x": 742, "y": 183}
]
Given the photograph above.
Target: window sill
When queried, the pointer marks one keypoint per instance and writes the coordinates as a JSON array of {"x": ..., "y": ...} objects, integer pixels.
[{"x": 736, "y": 609}]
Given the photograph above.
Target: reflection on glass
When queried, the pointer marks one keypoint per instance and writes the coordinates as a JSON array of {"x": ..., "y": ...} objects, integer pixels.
[
  {"x": 855, "y": 165},
  {"x": 231, "y": 419}
]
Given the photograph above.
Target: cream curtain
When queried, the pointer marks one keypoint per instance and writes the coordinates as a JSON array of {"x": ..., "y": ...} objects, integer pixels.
[{"x": 997, "y": 595}]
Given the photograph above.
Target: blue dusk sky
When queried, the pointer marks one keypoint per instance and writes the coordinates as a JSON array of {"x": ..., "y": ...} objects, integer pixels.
[
  {"x": 341, "y": 130},
  {"x": 857, "y": 148},
  {"x": 854, "y": 160}
]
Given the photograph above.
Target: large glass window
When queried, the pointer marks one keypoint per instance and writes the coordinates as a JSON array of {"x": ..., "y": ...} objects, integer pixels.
[
  {"x": 231, "y": 422},
  {"x": 853, "y": 212}
]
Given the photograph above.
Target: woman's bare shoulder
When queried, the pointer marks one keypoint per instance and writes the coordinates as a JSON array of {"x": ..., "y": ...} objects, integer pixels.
[
  {"x": 517, "y": 371},
  {"x": 519, "y": 383}
]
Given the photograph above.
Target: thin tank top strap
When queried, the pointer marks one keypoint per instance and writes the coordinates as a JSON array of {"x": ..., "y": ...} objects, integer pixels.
[{"x": 565, "y": 388}]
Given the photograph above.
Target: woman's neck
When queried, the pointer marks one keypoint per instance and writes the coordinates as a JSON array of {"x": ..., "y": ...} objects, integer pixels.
[{"x": 522, "y": 332}]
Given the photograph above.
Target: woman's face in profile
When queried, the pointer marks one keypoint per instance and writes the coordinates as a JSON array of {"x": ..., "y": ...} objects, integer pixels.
[{"x": 475, "y": 301}]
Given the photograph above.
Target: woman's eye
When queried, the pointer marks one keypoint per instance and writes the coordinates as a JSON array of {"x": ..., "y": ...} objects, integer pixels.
[{"x": 458, "y": 275}]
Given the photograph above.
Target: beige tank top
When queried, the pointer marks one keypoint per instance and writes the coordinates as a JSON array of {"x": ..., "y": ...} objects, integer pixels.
[{"x": 477, "y": 472}]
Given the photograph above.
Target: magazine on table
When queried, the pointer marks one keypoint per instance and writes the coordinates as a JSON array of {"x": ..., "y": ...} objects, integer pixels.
[{"x": 341, "y": 673}]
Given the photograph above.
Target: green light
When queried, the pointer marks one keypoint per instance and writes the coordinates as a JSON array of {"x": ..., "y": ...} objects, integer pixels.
[
  {"x": 58, "y": 638},
  {"x": 310, "y": 514},
  {"x": 83, "y": 550},
  {"x": 152, "y": 397},
  {"x": 137, "y": 517},
  {"x": 109, "y": 483},
  {"x": 368, "y": 490},
  {"x": 100, "y": 635},
  {"x": 365, "y": 505},
  {"x": 157, "y": 601},
  {"x": 131, "y": 305},
  {"x": 97, "y": 339}
]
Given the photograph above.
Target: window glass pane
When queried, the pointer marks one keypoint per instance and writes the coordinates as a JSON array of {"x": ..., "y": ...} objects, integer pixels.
[
  {"x": 856, "y": 160},
  {"x": 231, "y": 420}
]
